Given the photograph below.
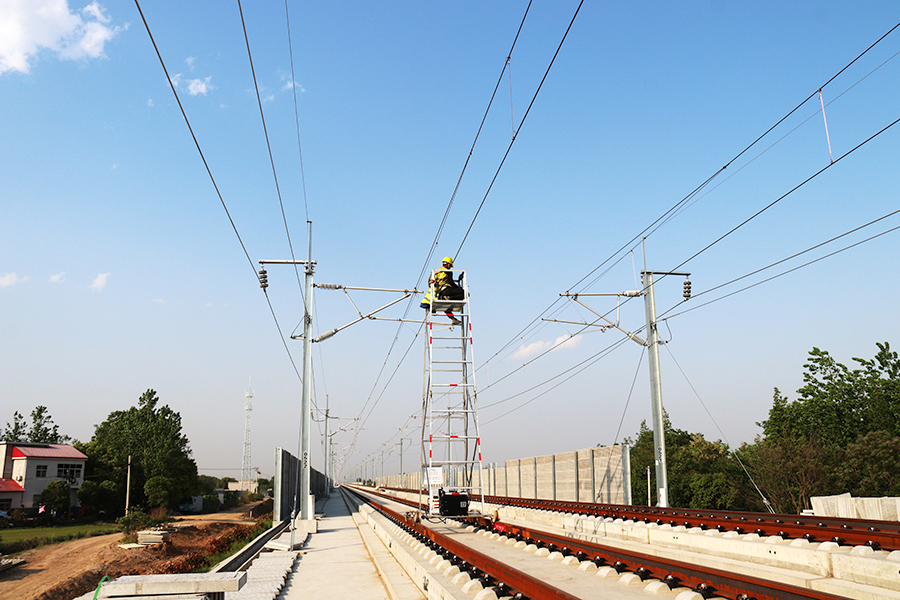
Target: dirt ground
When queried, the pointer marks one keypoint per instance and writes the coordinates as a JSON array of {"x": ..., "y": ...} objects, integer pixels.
[{"x": 65, "y": 571}]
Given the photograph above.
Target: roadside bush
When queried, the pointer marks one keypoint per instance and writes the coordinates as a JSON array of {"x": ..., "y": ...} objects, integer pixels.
[{"x": 134, "y": 521}]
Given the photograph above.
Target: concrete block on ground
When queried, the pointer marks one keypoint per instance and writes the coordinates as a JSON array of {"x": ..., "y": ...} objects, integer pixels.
[{"x": 182, "y": 583}]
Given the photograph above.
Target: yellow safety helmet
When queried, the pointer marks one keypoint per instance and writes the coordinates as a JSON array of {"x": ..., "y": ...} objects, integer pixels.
[{"x": 447, "y": 259}]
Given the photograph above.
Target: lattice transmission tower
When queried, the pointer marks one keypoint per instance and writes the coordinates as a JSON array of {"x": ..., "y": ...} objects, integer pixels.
[{"x": 245, "y": 466}]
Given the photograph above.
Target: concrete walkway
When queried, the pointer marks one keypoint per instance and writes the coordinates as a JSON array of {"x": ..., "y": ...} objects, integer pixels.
[{"x": 334, "y": 563}]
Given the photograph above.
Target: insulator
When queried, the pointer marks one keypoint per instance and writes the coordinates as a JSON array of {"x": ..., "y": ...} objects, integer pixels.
[
  {"x": 326, "y": 335},
  {"x": 329, "y": 286},
  {"x": 263, "y": 279},
  {"x": 687, "y": 289}
]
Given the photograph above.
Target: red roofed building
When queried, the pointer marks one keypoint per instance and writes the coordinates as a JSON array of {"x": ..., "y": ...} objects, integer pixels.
[{"x": 28, "y": 468}]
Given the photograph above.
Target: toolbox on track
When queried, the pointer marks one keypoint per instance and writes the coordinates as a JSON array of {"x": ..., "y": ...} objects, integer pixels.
[{"x": 453, "y": 505}]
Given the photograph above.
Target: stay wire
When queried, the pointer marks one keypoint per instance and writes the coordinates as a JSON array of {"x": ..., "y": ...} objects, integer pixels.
[
  {"x": 630, "y": 393},
  {"x": 724, "y": 437},
  {"x": 194, "y": 137}
]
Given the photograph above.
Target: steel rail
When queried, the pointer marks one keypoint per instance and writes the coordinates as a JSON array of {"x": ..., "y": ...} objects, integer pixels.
[
  {"x": 706, "y": 581},
  {"x": 511, "y": 578},
  {"x": 880, "y": 535}
]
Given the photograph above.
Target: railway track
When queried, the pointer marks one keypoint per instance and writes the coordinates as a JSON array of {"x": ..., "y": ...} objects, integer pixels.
[
  {"x": 879, "y": 535},
  {"x": 701, "y": 575}
]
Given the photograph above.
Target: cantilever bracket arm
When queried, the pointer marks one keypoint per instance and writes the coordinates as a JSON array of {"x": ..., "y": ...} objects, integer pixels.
[
  {"x": 633, "y": 336},
  {"x": 330, "y": 286}
]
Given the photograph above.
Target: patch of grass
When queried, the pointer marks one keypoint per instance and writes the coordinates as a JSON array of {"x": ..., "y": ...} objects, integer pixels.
[{"x": 20, "y": 539}]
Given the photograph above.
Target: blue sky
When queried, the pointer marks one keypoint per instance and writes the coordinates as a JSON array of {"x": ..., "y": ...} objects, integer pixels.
[{"x": 120, "y": 270}]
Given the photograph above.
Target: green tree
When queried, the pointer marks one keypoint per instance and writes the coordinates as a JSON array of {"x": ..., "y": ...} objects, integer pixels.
[
  {"x": 868, "y": 466},
  {"x": 152, "y": 436},
  {"x": 100, "y": 497},
  {"x": 836, "y": 405},
  {"x": 207, "y": 484},
  {"x": 158, "y": 490},
  {"x": 17, "y": 431},
  {"x": 42, "y": 430},
  {"x": 789, "y": 470},
  {"x": 840, "y": 435},
  {"x": 56, "y": 496},
  {"x": 701, "y": 474}
]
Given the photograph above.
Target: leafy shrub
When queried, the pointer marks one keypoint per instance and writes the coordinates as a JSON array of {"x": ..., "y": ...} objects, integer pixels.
[{"x": 134, "y": 521}]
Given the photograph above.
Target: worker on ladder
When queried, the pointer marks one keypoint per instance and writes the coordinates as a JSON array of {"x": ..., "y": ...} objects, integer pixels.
[{"x": 445, "y": 288}]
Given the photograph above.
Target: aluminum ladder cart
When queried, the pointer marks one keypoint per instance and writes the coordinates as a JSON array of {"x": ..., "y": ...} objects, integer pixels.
[{"x": 451, "y": 442}]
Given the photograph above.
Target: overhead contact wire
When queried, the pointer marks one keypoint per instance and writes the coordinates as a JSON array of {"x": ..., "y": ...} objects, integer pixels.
[
  {"x": 670, "y": 212},
  {"x": 447, "y": 211},
  {"x": 519, "y": 128},
  {"x": 193, "y": 136},
  {"x": 296, "y": 108}
]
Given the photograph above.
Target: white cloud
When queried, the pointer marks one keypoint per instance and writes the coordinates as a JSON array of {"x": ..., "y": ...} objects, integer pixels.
[
  {"x": 150, "y": 102},
  {"x": 159, "y": 301},
  {"x": 29, "y": 26},
  {"x": 100, "y": 282},
  {"x": 197, "y": 87},
  {"x": 190, "y": 60},
  {"x": 11, "y": 279},
  {"x": 560, "y": 343},
  {"x": 292, "y": 84},
  {"x": 289, "y": 83},
  {"x": 58, "y": 278},
  {"x": 93, "y": 9}
]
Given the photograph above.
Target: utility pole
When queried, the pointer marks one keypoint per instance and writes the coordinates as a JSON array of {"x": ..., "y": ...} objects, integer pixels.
[
  {"x": 306, "y": 508},
  {"x": 401, "y": 461},
  {"x": 327, "y": 456},
  {"x": 659, "y": 435},
  {"x": 128, "y": 487},
  {"x": 652, "y": 345}
]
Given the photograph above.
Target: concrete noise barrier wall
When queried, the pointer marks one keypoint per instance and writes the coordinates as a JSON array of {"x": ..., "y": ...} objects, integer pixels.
[
  {"x": 847, "y": 507},
  {"x": 601, "y": 474},
  {"x": 287, "y": 484}
]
